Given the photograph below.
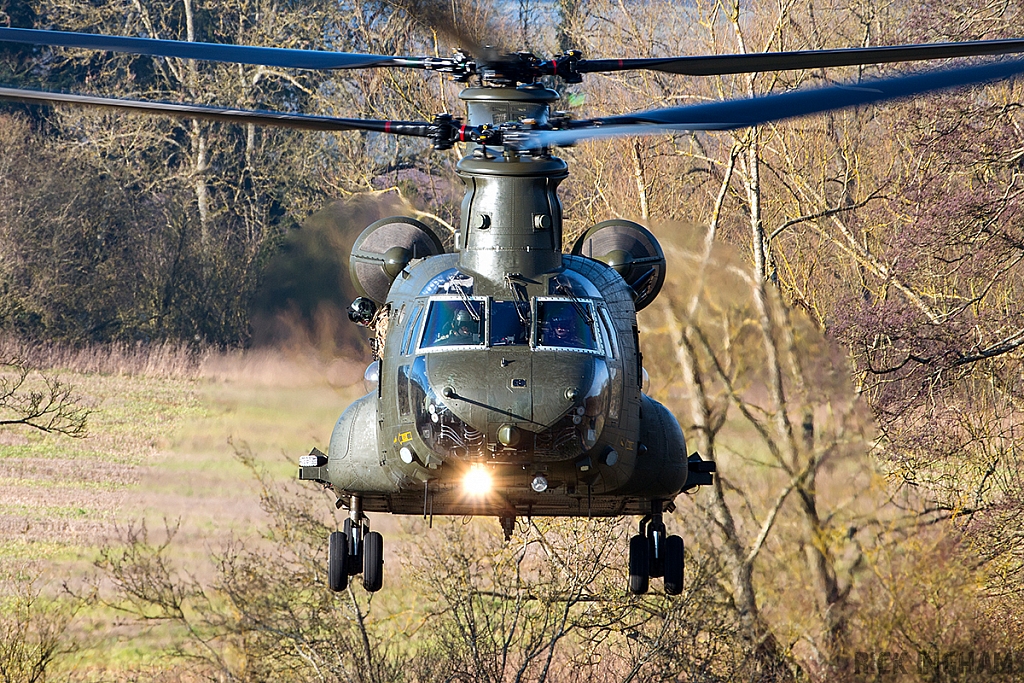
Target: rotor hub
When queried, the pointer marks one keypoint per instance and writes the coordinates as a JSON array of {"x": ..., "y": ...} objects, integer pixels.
[{"x": 494, "y": 106}]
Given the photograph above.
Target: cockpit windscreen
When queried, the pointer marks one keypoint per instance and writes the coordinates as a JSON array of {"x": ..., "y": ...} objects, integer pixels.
[
  {"x": 510, "y": 323},
  {"x": 454, "y": 322},
  {"x": 565, "y": 324}
]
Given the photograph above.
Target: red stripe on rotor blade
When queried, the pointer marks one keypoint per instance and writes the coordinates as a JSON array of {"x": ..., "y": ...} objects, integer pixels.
[{"x": 387, "y": 126}]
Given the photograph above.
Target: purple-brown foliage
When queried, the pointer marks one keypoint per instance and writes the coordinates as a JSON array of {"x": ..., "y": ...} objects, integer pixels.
[{"x": 938, "y": 342}]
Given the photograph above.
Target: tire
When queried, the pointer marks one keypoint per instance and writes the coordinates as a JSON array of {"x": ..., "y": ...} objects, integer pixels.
[
  {"x": 639, "y": 565},
  {"x": 373, "y": 561},
  {"x": 337, "y": 559},
  {"x": 673, "y": 565}
]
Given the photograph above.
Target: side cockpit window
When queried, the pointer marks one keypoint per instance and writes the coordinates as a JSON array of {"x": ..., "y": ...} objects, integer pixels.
[
  {"x": 566, "y": 324},
  {"x": 414, "y": 323},
  {"x": 454, "y": 322}
]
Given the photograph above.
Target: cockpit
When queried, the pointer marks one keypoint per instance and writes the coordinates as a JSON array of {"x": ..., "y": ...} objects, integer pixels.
[
  {"x": 543, "y": 323},
  {"x": 566, "y": 324},
  {"x": 454, "y": 322}
]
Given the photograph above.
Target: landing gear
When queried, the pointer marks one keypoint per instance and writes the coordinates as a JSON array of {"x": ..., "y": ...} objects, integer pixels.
[
  {"x": 356, "y": 550},
  {"x": 337, "y": 562},
  {"x": 639, "y": 565},
  {"x": 674, "y": 565},
  {"x": 653, "y": 554},
  {"x": 373, "y": 569}
]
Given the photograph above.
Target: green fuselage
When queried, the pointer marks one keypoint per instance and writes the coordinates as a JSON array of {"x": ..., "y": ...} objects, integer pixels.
[{"x": 510, "y": 356}]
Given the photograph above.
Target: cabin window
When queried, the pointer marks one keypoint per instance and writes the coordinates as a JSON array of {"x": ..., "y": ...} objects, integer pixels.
[
  {"x": 510, "y": 323},
  {"x": 458, "y": 321},
  {"x": 410, "y": 330},
  {"x": 566, "y": 324},
  {"x": 611, "y": 342},
  {"x": 404, "y": 403}
]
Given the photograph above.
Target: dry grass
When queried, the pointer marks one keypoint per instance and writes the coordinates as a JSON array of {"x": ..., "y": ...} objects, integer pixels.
[
  {"x": 161, "y": 436},
  {"x": 164, "y": 360},
  {"x": 164, "y": 425},
  {"x": 297, "y": 367},
  {"x": 300, "y": 364}
]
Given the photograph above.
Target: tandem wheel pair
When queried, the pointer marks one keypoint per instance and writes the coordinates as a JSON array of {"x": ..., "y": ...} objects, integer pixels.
[
  {"x": 356, "y": 550},
  {"x": 653, "y": 554}
]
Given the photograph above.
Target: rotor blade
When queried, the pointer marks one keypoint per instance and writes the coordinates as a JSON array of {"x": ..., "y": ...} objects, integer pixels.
[
  {"x": 214, "y": 52},
  {"x": 769, "y": 108},
  {"x": 224, "y": 114},
  {"x": 717, "y": 65}
]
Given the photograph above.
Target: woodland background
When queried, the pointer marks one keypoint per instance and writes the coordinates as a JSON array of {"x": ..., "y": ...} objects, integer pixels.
[{"x": 841, "y": 331}]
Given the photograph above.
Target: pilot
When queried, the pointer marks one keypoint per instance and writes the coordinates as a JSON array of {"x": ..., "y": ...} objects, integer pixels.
[
  {"x": 464, "y": 330},
  {"x": 561, "y": 331}
]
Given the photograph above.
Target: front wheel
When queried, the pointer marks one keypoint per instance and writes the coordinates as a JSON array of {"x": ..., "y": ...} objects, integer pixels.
[
  {"x": 639, "y": 565},
  {"x": 373, "y": 561},
  {"x": 337, "y": 561},
  {"x": 673, "y": 565}
]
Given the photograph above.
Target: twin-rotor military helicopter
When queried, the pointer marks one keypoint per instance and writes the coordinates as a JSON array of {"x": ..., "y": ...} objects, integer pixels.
[{"x": 509, "y": 373}]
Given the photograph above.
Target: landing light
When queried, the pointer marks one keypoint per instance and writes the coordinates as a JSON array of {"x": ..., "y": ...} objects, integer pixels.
[
  {"x": 477, "y": 481},
  {"x": 539, "y": 483}
]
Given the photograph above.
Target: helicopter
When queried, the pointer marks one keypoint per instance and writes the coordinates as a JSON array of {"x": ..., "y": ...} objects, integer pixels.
[{"x": 508, "y": 374}]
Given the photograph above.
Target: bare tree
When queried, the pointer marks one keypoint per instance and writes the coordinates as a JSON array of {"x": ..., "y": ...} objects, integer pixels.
[
  {"x": 742, "y": 352},
  {"x": 550, "y": 605},
  {"x": 29, "y": 398},
  {"x": 35, "y": 633},
  {"x": 197, "y": 209}
]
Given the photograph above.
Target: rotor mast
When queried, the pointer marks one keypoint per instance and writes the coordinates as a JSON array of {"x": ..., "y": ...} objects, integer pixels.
[{"x": 511, "y": 219}]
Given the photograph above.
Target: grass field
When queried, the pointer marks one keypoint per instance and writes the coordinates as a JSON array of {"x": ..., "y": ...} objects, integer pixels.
[{"x": 160, "y": 449}]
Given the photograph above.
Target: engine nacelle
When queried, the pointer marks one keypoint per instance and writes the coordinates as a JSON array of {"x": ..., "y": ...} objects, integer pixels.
[
  {"x": 632, "y": 250},
  {"x": 386, "y": 247}
]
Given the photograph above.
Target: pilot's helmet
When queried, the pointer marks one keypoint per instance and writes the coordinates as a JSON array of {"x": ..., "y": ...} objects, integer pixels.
[
  {"x": 463, "y": 323},
  {"x": 562, "y": 324},
  {"x": 361, "y": 311}
]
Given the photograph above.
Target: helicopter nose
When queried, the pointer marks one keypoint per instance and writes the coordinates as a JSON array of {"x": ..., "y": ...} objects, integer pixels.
[
  {"x": 511, "y": 392},
  {"x": 560, "y": 381}
]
